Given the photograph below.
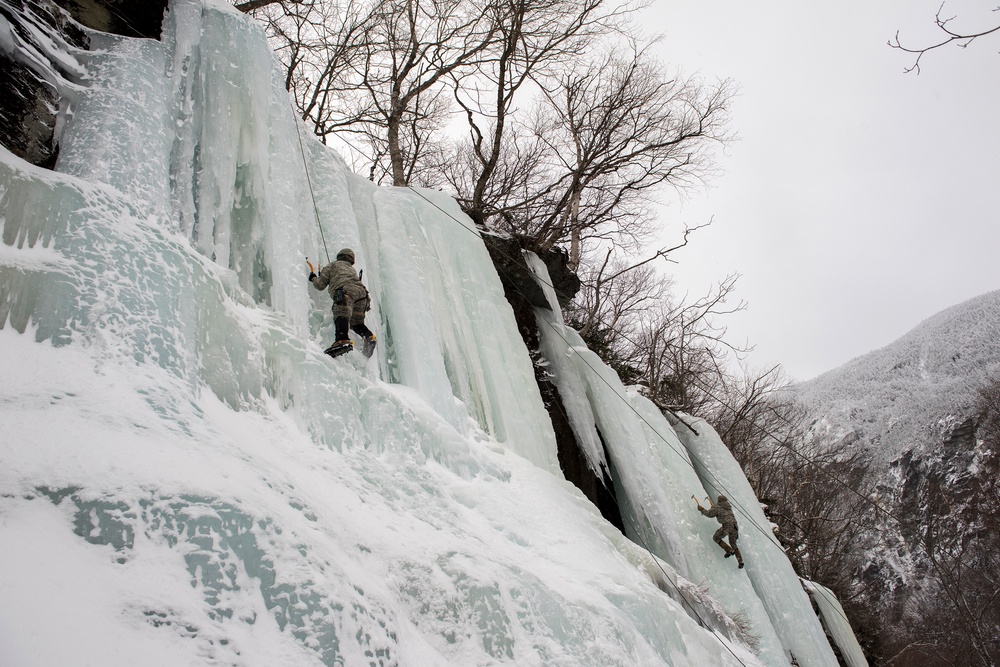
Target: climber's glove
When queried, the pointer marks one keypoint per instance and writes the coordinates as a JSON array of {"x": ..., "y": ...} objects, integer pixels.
[{"x": 312, "y": 274}]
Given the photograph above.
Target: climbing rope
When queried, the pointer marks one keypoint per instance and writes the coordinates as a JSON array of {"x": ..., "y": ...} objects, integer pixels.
[
  {"x": 691, "y": 457},
  {"x": 312, "y": 193}
]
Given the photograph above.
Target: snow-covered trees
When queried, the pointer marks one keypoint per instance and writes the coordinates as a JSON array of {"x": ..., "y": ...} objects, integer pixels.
[{"x": 949, "y": 509}]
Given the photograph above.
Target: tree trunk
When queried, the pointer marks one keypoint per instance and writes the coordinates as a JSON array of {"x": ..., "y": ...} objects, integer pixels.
[
  {"x": 395, "y": 152},
  {"x": 251, "y": 5},
  {"x": 574, "y": 233}
]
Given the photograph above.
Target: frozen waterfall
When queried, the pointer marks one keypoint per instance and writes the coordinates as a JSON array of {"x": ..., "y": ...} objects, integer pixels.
[{"x": 187, "y": 477}]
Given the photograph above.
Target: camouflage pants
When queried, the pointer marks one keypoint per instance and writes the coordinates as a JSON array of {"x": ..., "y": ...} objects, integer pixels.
[
  {"x": 726, "y": 530},
  {"x": 351, "y": 301}
]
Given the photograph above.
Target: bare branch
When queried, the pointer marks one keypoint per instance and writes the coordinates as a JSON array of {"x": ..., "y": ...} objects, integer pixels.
[
  {"x": 251, "y": 5},
  {"x": 961, "y": 39}
]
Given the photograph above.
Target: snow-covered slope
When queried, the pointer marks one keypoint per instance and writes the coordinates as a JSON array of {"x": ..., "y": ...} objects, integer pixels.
[
  {"x": 187, "y": 479},
  {"x": 911, "y": 392},
  {"x": 911, "y": 408}
]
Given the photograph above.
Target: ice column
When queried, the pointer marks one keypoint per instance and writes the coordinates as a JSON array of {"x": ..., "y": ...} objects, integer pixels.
[
  {"x": 767, "y": 566},
  {"x": 836, "y": 623},
  {"x": 653, "y": 475}
]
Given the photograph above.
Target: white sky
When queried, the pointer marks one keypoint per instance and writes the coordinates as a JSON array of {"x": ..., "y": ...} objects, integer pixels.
[{"x": 859, "y": 200}]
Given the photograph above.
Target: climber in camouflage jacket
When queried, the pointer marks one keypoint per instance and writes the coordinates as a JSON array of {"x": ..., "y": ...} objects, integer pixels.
[
  {"x": 723, "y": 513},
  {"x": 350, "y": 300}
]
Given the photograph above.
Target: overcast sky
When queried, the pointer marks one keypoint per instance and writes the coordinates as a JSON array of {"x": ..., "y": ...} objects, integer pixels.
[{"x": 859, "y": 200}]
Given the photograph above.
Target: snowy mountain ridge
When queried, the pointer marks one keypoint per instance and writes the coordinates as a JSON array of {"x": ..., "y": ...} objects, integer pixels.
[
  {"x": 187, "y": 477},
  {"x": 913, "y": 411},
  {"x": 915, "y": 390}
]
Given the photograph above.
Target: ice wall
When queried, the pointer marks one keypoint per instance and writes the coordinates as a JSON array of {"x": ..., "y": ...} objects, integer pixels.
[
  {"x": 836, "y": 623},
  {"x": 203, "y": 141},
  {"x": 655, "y": 478},
  {"x": 185, "y": 470},
  {"x": 767, "y": 566}
]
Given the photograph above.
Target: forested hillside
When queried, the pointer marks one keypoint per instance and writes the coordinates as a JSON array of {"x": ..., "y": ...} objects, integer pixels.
[
  {"x": 914, "y": 430},
  {"x": 914, "y": 392}
]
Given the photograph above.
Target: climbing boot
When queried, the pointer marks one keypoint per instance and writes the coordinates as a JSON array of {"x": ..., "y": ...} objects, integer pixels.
[
  {"x": 367, "y": 338},
  {"x": 368, "y": 345},
  {"x": 340, "y": 328},
  {"x": 339, "y": 348}
]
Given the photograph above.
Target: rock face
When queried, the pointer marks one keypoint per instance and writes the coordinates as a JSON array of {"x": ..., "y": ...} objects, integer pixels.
[
  {"x": 34, "y": 69},
  {"x": 913, "y": 408},
  {"x": 506, "y": 252},
  {"x": 119, "y": 17},
  {"x": 936, "y": 568},
  {"x": 524, "y": 294},
  {"x": 27, "y": 113},
  {"x": 30, "y": 75}
]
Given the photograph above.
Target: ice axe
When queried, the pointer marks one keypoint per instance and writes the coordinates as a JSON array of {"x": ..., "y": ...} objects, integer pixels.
[
  {"x": 312, "y": 269},
  {"x": 695, "y": 501}
]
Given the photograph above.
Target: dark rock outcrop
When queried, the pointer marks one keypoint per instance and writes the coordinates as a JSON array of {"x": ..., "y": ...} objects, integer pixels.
[
  {"x": 119, "y": 17},
  {"x": 27, "y": 114},
  {"x": 31, "y": 72},
  {"x": 960, "y": 434},
  {"x": 939, "y": 548},
  {"x": 524, "y": 294},
  {"x": 507, "y": 255}
]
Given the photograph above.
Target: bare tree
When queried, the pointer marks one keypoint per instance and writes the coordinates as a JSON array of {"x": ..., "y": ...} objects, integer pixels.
[
  {"x": 412, "y": 48},
  {"x": 252, "y": 5},
  {"x": 618, "y": 130},
  {"x": 534, "y": 39},
  {"x": 682, "y": 350},
  {"x": 588, "y": 164},
  {"x": 825, "y": 516},
  {"x": 758, "y": 426},
  {"x": 961, "y": 38},
  {"x": 616, "y": 294},
  {"x": 581, "y": 163},
  {"x": 615, "y": 297},
  {"x": 376, "y": 73},
  {"x": 319, "y": 44}
]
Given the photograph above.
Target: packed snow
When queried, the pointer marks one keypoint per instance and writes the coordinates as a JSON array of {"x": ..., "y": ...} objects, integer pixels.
[{"x": 188, "y": 478}]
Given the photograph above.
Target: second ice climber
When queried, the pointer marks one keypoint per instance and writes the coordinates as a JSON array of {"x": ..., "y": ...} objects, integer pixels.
[
  {"x": 350, "y": 303},
  {"x": 723, "y": 513}
]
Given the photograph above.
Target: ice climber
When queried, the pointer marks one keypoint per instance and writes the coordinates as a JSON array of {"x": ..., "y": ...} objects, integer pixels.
[
  {"x": 723, "y": 512},
  {"x": 350, "y": 303}
]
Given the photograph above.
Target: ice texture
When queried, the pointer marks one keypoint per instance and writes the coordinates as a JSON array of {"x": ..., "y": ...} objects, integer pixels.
[
  {"x": 767, "y": 566},
  {"x": 187, "y": 477},
  {"x": 837, "y": 625},
  {"x": 652, "y": 471}
]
